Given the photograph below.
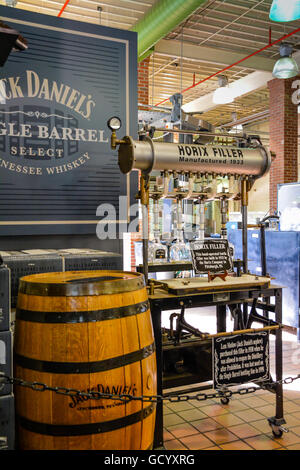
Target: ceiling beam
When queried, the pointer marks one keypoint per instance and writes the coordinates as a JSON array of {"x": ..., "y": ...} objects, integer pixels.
[
  {"x": 173, "y": 48},
  {"x": 296, "y": 56}
]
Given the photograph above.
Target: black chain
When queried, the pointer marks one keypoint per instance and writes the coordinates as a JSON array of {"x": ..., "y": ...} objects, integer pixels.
[{"x": 225, "y": 393}]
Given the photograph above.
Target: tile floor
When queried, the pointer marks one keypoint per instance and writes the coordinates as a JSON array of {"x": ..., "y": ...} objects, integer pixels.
[{"x": 242, "y": 424}]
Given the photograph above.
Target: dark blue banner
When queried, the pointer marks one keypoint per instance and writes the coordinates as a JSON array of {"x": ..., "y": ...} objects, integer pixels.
[{"x": 56, "y": 165}]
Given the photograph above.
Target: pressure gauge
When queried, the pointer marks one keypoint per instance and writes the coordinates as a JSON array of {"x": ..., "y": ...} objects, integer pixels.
[{"x": 114, "y": 123}]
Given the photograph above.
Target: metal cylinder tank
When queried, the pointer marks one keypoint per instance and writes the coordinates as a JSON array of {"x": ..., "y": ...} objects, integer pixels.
[{"x": 147, "y": 156}]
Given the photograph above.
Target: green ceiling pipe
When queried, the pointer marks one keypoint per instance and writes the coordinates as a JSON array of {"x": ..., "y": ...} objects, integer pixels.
[{"x": 160, "y": 20}]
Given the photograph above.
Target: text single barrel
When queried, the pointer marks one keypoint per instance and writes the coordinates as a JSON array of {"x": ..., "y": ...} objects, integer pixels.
[{"x": 86, "y": 331}]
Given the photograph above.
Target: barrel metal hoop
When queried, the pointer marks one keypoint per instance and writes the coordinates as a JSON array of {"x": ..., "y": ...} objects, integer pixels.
[
  {"x": 79, "y": 288},
  {"x": 84, "y": 367},
  {"x": 85, "y": 429},
  {"x": 82, "y": 316}
]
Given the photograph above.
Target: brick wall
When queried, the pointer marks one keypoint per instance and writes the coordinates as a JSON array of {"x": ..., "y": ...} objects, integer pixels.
[
  {"x": 283, "y": 136},
  {"x": 143, "y": 82}
]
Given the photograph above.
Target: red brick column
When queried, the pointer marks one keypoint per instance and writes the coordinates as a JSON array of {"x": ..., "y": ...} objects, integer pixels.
[
  {"x": 143, "y": 98},
  {"x": 143, "y": 82},
  {"x": 283, "y": 136}
]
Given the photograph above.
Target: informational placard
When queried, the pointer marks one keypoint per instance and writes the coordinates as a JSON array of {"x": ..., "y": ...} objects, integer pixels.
[
  {"x": 160, "y": 254},
  {"x": 240, "y": 359},
  {"x": 211, "y": 255}
]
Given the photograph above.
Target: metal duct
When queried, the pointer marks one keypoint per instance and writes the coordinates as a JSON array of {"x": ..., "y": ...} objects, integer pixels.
[{"x": 162, "y": 18}]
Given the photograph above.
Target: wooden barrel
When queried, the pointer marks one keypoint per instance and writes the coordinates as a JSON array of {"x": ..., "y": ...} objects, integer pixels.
[{"x": 88, "y": 331}]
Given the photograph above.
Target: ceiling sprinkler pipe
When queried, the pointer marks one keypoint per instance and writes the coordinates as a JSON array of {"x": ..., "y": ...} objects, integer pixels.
[
  {"x": 63, "y": 8},
  {"x": 235, "y": 63}
]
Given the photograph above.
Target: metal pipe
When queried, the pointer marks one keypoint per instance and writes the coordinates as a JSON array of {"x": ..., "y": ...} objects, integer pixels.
[
  {"x": 191, "y": 187},
  {"x": 155, "y": 219},
  {"x": 263, "y": 250},
  {"x": 244, "y": 210},
  {"x": 224, "y": 208},
  {"x": 202, "y": 219},
  {"x": 238, "y": 332},
  {"x": 144, "y": 197},
  {"x": 146, "y": 155},
  {"x": 210, "y": 195},
  {"x": 145, "y": 231},
  {"x": 175, "y": 195},
  {"x": 213, "y": 190},
  {"x": 160, "y": 20},
  {"x": 179, "y": 224},
  {"x": 245, "y": 239},
  {"x": 210, "y": 134},
  {"x": 166, "y": 184},
  {"x": 254, "y": 117}
]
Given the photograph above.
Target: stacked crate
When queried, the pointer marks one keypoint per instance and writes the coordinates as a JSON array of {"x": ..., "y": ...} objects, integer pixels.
[
  {"x": 90, "y": 260},
  {"x": 26, "y": 262},
  {"x": 22, "y": 263}
]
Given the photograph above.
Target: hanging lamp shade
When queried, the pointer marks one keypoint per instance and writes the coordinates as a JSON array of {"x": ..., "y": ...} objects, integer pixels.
[
  {"x": 285, "y": 10},
  {"x": 286, "y": 66}
]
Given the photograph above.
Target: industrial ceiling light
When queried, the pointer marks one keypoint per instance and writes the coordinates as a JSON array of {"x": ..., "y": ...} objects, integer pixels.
[
  {"x": 236, "y": 129},
  {"x": 285, "y": 10},
  {"x": 286, "y": 66},
  {"x": 223, "y": 94}
]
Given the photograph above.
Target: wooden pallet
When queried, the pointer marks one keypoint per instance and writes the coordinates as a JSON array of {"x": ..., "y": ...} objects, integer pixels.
[{"x": 198, "y": 284}]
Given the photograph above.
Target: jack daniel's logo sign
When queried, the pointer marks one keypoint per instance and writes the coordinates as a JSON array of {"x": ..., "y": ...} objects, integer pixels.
[
  {"x": 77, "y": 401},
  {"x": 44, "y": 125}
]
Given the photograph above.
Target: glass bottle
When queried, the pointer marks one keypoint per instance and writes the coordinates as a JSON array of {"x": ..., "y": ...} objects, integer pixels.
[
  {"x": 158, "y": 253},
  {"x": 180, "y": 250}
]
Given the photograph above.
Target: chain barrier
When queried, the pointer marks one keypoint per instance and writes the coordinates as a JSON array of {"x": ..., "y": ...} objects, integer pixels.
[{"x": 93, "y": 395}]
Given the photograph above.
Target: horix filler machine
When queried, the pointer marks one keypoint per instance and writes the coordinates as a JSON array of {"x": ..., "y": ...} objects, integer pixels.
[
  {"x": 203, "y": 164},
  {"x": 242, "y": 165}
]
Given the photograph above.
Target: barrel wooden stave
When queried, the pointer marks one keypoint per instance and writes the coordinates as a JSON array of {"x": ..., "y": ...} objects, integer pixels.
[
  {"x": 52, "y": 409},
  {"x": 86, "y": 342},
  {"x": 57, "y": 348}
]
